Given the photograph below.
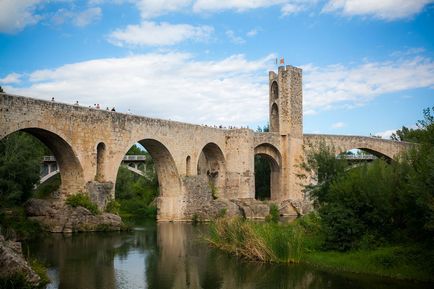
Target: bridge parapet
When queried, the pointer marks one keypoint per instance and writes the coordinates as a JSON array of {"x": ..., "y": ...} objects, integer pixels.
[{"x": 376, "y": 146}]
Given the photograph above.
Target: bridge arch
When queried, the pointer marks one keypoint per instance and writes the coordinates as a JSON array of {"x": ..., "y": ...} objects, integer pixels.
[
  {"x": 71, "y": 171},
  {"x": 165, "y": 167},
  {"x": 212, "y": 165},
  {"x": 372, "y": 151},
  {"x": 273, "y": 156}
]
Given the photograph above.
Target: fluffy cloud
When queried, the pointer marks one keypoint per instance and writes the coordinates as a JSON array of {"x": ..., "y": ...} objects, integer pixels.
[
  {"x": 17, "y": 14},
  {"x": 239, "y": 5},
  {"x": 88, "y": 16},
  {"x": 384, "y": 9},
  {"x": 385, "y": 134},
  {"x": 338, "y": 125},
  {"x": 11, "y": 78},
  {"x": 339, "y": 85},
  {"x": 152, "y": 8},
  {"x": 234, "y": 38},
  {"x": 231, "y": 91},
  {"x": 162, "y": 34}
]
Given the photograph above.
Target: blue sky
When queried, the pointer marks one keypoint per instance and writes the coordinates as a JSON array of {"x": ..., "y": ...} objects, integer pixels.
[{"x": 368, "y": 66}]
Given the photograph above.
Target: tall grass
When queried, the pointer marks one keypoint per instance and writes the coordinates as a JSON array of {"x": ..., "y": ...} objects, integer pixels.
[{"x": 264, "y": 242}]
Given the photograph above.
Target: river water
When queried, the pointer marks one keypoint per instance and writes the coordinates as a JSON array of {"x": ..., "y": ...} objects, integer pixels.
[{"x": 172, "y": 255}]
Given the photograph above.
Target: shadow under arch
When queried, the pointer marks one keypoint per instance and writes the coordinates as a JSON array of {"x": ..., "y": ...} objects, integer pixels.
[
  {"x": 272, "y": 155},
  {"x": 71, "y": 171},
  {"x": 211, "y": 164}
]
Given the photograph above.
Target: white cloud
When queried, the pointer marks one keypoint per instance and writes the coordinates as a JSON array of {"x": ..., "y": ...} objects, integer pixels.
[
  {"x": 291, "y": 8},
  {"x": 88, "y": 16},
  {"x": 341, "y": 86},
  {"x": 338, "y": 125},
  {"x": 17, "y": 14},
  {"x": 234, "y": 38},
  {"x": 153, "y": 8},
  {"x": 383, "y": 9},
  {"x": 252, "y": 32},
  {"x": 230, "y": 91},
  {"x": 11, "y": 78},
  {"x": 385, "y": 134},
  {"x": 159, "y": 34},
  {"x": 239, "y": 5}
]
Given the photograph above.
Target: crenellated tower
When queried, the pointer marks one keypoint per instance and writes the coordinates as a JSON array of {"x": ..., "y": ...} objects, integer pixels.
[{"x": 286, "y": 101}]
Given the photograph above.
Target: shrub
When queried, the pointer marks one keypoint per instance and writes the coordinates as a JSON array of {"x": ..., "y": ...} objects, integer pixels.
[
  {"x": 274, "y": 215},
  {"x": 113, "y": 207},
  {"x": 82, "y": 200}
]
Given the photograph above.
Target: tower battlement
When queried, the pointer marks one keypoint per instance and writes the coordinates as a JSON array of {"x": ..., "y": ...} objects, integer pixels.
[{"x": 286, "y": 101}]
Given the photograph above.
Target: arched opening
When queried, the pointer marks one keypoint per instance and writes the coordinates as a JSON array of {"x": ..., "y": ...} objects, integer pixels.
[
  {"x": 100, "y": 160},
  {"x": 211, "y": 165},
  {"x": 362, "y": 154},
  {"x": 274, "y": 118},
  {"x": 274, "y": 91},
  {"x": 188, "y": 166},
  {"x": 44, "y": 153},
  {"x": 267, "y": 172},
  {"x": 153, "y": 174}
]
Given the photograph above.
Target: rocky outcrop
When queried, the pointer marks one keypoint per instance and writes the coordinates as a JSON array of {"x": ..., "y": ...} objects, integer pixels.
[
  {"x": 59, "y": 218},
  {"x": 13, "y": 264},
  {"x": 252, "y": 208}
]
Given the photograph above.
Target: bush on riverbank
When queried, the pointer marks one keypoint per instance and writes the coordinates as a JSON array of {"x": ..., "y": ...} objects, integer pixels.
[
  {"x": 82, "y": 200},
  {"x": 267, "y": 242}
]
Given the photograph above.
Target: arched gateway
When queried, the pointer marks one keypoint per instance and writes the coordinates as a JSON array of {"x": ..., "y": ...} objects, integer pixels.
[{"x": 192, "y": 161}]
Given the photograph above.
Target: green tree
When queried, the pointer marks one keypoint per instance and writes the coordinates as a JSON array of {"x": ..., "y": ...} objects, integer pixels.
[{"x": 20, "y": 159}]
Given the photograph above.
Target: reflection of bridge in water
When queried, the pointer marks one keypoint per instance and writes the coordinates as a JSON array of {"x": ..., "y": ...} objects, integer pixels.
[{"x": 134, "y": 163}]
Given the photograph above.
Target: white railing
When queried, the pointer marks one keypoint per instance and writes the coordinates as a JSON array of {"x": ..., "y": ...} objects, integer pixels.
[
  {"x": 356, "y": 157},
  {"x": 126, "y": 158}
]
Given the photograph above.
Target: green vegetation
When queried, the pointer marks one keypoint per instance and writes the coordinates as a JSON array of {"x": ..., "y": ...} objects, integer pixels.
[
  {"x": 136, "y": 195},
  {"x": 376, "y": 218},
  {"x": 14, "y": 224},
  {"x": 18, "y": 281},
  {"x": 44, "y": 190},
  {"x": 82, "y": 200},
  {"x": 113, "y": 207},
  {"x": 274, "y": 215},
  {"x": 266, "y": 242},
  {"x": 20, "y": 158}
]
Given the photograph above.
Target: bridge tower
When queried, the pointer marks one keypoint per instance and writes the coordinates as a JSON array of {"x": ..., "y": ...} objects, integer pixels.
[
  {"x": 286, "y": 101},
  {"x": 286, "y": 119}
]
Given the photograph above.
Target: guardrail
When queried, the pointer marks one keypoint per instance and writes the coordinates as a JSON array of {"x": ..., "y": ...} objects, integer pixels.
[{"x": 126, "y": 158}]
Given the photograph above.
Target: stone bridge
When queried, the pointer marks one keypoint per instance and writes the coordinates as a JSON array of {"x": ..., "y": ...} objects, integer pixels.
[{"x": 191, "y": 161}]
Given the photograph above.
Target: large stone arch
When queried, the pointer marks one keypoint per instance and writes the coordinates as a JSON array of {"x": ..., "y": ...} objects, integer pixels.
[
  {"x": 71, "y": 171},
  {"x": 169, "y": 202},
  {"x": 373, "y": 151},
  {"x": 211, "y": 165},
  {"x": 272, "y": 154},
  {"x": 387, "y": 149}
]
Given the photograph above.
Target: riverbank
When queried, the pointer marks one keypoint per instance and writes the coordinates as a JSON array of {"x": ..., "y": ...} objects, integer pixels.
[{"x": 300, "y": 242}]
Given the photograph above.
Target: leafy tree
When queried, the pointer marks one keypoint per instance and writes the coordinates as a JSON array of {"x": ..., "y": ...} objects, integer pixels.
[
  {"x": 418, "y": 134},
  {"x": 136, "y": 150},
  {"x": 20, "y": 158},
  {"x": 322, "y": 166}
]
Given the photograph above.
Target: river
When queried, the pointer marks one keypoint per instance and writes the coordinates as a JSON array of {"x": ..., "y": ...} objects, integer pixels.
[{"x": 173, "y": 255}]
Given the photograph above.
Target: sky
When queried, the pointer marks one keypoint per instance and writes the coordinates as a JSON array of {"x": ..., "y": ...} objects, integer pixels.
[{"x": 368, "y": 65}]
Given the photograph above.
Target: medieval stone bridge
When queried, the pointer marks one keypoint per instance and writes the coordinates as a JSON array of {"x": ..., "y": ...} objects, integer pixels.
[{"x": 190, "y": 160}]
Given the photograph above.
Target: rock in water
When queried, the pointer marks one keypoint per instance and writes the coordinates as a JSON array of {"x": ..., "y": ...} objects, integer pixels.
[
  {"x": 12, "y": 263},
  {"x": 59, "y": 218}
]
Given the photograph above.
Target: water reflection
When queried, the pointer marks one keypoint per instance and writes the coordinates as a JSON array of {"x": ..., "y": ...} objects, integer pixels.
[{"x": 167, "y": 255}]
